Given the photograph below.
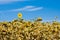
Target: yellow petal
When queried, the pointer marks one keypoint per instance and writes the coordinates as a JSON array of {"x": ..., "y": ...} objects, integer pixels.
[{"x": 19, "y": 15}]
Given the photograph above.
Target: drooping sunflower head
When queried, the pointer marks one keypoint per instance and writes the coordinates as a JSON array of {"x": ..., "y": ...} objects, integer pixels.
[{"x": 39, "y": 19}]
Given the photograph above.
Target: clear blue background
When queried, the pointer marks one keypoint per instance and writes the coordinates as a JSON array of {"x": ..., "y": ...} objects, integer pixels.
[{"x": 51, "y": 8}]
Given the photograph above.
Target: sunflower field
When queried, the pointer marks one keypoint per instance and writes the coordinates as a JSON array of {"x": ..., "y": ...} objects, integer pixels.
[
  {"x": 27, "y": 30},
  {"x": 20, "y": 29}
]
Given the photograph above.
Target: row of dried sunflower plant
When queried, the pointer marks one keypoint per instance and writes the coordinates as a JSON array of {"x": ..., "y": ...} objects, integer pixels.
[{"x": 28, "y": 30}]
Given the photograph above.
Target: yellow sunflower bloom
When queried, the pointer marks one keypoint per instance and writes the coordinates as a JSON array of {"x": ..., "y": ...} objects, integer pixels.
[{"x": 19, "y": 15}]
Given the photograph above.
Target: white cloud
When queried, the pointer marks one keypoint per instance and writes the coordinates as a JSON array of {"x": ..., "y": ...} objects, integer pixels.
[
  {"x": 35, "y": 9},
  {"x": 12, "y": 0},
  {"x": 28, "y": 8},
  {"x": 9, "y": 1}
]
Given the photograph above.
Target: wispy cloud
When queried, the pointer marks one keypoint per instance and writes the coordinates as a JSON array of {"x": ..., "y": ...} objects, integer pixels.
[
  {"x": 28, "y": 8},
  {"x": 9, "y": 1}
]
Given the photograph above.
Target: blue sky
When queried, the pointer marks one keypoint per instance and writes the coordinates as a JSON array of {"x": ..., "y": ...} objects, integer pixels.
[{"x": 31, "y": 9}]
